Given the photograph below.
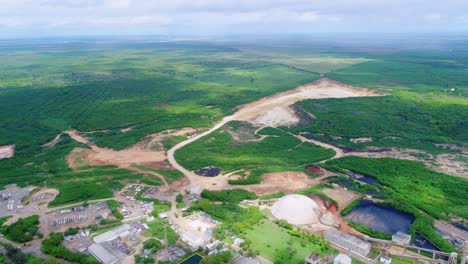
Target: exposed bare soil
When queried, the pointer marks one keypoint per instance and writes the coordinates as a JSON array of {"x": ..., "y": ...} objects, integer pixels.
[
  {"x": 272, "y": 111},
  {"x": 275, "y": 110},
  {"x": 342, "y": 196},
  {"x": 288, "y": 181},
  {"x": 53, "y": 141},
  {"x": 7, "y": 151},
  {"x": 148, "y": 151}
]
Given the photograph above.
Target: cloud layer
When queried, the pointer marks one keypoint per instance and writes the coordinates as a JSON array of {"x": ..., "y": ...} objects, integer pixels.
[{"x": 206, "y": 17}]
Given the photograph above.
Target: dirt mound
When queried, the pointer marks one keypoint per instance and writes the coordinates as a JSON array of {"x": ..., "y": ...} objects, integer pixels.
[{"x": 288, "y": 181}]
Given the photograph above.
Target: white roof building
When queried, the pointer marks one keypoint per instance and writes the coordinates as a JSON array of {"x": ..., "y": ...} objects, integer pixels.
[
  {"x": 121, "y": 231},
  {"x": 192, "y": 239},
  {"x": 342, "y": 259}
]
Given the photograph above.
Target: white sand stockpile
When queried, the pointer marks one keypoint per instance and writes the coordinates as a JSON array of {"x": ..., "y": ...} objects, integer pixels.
[
  {"x": 275, "y": 110},
  {"x": 296, "y": 209}
]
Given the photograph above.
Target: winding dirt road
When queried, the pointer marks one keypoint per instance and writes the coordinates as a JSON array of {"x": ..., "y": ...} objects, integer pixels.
[{"x": 253, "y": 112}]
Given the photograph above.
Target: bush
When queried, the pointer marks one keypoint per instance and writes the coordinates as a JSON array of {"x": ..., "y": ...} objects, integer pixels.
[
  {"x": 53, "y": 246},
  {"x": 220, "y": 258},
  {"x": 231, "y": 196},
  {"x": 23, "y": 230},
  {"x": 153, "y": 244}
]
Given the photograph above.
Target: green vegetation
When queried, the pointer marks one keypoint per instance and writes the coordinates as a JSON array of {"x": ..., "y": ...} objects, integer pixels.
[
  {"x": 234, "y": 218},
  {"x": 414, "y": 189},
  {"x": 159, "y": 229},
  {"x": 114, "y": 207},
  {"x": 234, "y": 196},
  {"x": 153, "y": 86},
  {"x": 16, "y": 256},
  {"x": 220, "y": 258},
  {"x": 316, "y": 190},
  {"x": 281, "y": 153},
  {"x": 169, "y": 175},
  {"x": 369, "y": 231},
  {"x": 434, "y": 193},
  {"x": 180, "y": 201},
  {"x": 71, "y": 231},
  {"x": 272, "y": 196},
  {"x": 23, "y": 230},
  {"x": 153, "y": 244},
  {"x": 4, "y": 219},
  {"x": 159, "y": 206},
  {"x": 53, "y": 246},
  {"x": 351, "y": 206},
  {"x": 281, "y": 245},
  {"x": 405, "y": 120},
  {"x": 354, "y": 185}
]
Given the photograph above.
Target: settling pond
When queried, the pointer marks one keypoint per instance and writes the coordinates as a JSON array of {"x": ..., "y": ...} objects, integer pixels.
[
  {"x": 195, "y": 259},
  {"x": 380, "y": 218}
]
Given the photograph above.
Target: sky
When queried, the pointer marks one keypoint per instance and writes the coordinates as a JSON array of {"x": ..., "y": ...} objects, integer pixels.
[{"x": 35, "y": 18}]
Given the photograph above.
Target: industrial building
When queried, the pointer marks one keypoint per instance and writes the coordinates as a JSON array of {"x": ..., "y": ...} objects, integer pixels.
[
  {"x": 348, "y": 242},
  {"x": 401, "y": 238},
  {"x": 192, "y": 239},
  {"x": 106, "y": 253},
  {"x": 121, "y": 231}
]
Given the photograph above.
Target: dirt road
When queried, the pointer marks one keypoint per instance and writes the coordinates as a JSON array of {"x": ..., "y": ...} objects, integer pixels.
[{"x": 264, "y": 109}]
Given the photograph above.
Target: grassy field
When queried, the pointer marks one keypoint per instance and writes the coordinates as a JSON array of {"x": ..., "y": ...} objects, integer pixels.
[
  {"x": 281, "y": 152},
  {"x": 274, "y": 242}
]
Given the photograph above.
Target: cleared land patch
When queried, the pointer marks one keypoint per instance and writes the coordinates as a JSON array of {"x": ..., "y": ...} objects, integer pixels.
[
  {"x": 280, "y": 153},
  {"x": 7, "y": 151},
  {"x": 275, "y": 110}
]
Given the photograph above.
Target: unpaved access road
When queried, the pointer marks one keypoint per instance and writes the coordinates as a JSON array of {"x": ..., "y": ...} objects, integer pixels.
[{"x": 255, "y": 112}]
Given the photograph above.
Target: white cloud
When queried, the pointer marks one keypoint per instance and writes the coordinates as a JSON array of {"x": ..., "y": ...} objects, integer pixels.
[{"x": 230, "y": 16}]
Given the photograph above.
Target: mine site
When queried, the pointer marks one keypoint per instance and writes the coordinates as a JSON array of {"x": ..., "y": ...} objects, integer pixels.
[
  {"x": 215, "y": 147},
  {"x": 315, "y": 201}
]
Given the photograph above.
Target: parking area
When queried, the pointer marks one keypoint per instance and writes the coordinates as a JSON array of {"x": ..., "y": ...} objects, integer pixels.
[
  {"x": 78, "y": 216},
  {"x": 11, "y": 200}
]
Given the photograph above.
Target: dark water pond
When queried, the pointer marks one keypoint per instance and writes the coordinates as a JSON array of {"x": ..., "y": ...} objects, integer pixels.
[
  {"x": 344, "y": 183},
  {"x": 380, "y": 218},
  {"x": 195, "y": 259},
  {"x": 460, "y": 226},
  {"x": 208, "y": 171},
  {"x": 422, "y": 242},
  {"x": 363, "y": 178}
]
